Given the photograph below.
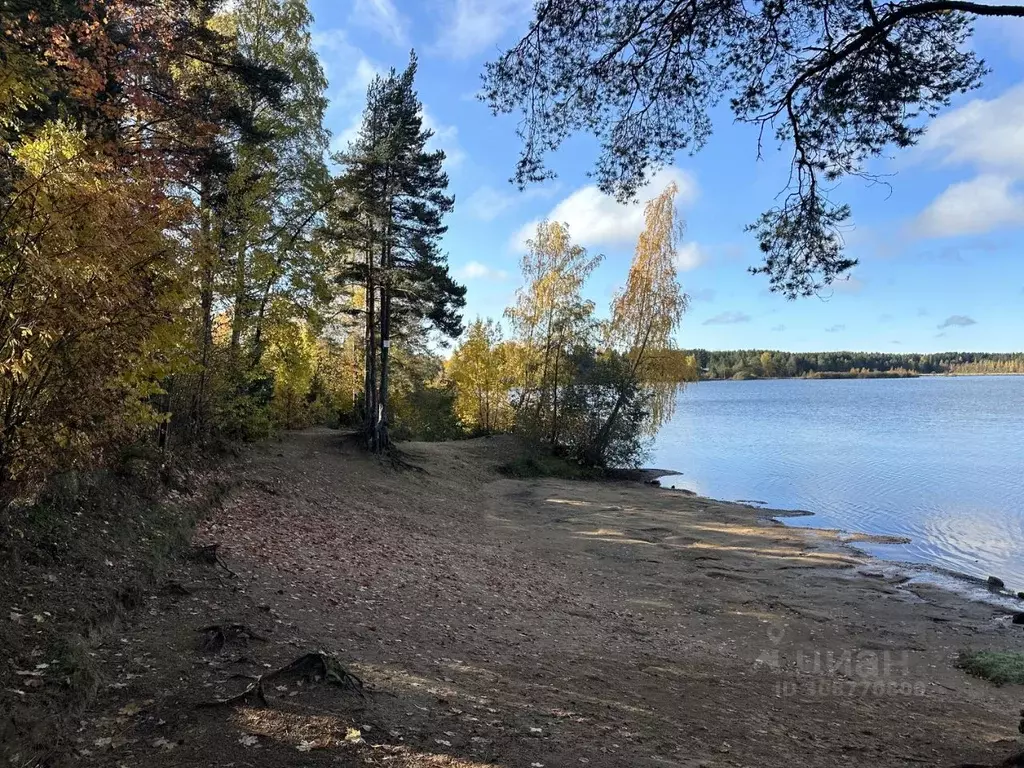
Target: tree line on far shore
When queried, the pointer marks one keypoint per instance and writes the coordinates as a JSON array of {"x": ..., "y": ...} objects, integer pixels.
[{"x": 770, "y": 363}]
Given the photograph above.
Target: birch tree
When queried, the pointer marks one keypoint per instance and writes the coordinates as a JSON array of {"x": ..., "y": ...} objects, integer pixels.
[
  {"x": 550, "y": 317},
  {"x": 645, "y": 316}
]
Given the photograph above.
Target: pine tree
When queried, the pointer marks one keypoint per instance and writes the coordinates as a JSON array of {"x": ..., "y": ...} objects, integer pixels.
[{"x": 392, "y": 202}]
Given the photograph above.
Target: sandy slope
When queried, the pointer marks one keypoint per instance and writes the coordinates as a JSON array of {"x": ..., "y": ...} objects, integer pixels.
[{"x": 524, "y": 623}]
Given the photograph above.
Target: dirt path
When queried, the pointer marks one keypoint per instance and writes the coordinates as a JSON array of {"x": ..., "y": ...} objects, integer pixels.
[{"x": 540, "y": 623}]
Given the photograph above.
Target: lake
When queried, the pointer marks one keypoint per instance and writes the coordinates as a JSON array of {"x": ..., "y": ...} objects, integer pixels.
[{"x": 937, "y": 459}]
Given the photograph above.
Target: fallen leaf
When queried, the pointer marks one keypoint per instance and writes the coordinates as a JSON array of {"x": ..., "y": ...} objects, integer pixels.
[
  {"x": 304, "y": 746},
  {"x": 353, "y": 735}
]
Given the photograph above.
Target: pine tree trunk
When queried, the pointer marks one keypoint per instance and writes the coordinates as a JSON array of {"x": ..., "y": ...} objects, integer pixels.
[
  {"x": 370, "y": 391},
  {"x": 198, "y": 425},
  {"x": 381, "y": 437}
]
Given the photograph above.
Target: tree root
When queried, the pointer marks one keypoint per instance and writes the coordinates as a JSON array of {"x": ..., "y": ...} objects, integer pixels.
[
  {"x": 312, "y": 667},
  {"x": 217, "y": 636},
  {"x": 394, "y": 457},
  {"x": 209, "y": 554},
  {"x": 175, "y": 589},
  {"x": 1013, "y": 761}
]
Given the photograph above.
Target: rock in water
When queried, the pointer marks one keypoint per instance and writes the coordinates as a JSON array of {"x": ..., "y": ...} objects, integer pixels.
[
  {"x": 995, "y": 583},
  {"x": 1018, "y": 618}
]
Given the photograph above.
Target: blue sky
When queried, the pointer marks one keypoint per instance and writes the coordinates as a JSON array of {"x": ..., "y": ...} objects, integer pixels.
[{"x": 940, "y": 250}]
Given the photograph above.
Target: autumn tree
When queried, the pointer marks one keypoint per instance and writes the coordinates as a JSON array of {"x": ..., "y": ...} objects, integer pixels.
[
  {"x": 478, "y": 368},
  {"x": 645, "y": 316},
  {"x": 98, "y": 134},
  {"x": 87, "y": 279},
  {"x": 838, "y": 81},
  {"x": 121, "y": 128},
  {"x": 550, "y": 318},
  {"x": 388, "y": 223},
  {"x": 260, "y": 196}
]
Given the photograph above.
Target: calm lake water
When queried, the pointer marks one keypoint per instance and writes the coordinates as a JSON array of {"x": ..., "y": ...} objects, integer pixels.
[{"x": 937, "y": 459}]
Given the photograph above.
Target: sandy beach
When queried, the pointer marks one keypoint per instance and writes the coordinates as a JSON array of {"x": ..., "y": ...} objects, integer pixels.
[{"x": 526, "y": 623}]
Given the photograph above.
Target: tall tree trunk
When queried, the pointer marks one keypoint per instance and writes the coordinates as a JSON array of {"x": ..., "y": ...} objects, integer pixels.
[
  {"x": 198, "y": 425},
  {"x": 381, "y": 436},
  {"x": 370, "y": 391},
  {"x": 241, "y": 300},
  {"x": 554, "y": 400},
  {"x": 597, "y": 449}
]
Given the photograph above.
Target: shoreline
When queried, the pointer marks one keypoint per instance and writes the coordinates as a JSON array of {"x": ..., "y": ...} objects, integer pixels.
[{"x": 974, "y": 588}]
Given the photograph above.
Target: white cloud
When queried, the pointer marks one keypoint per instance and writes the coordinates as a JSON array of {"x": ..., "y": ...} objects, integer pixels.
[
  {"x": 383, "y": 18},
  {"x": 982, "y": 204},
  {"x": 487, "y": 203},
  {"x": 474, "y": 270},
  {"x": 469, "y": 27},
  {"x": 596, "y": 220},
  {"x": 349, "y": 72},
  {"x": 445, "y": 137},
  {"x": 988, "y": 134},
  {"x": 690, "y": 256},
  {"x": 728, "y": 318}
]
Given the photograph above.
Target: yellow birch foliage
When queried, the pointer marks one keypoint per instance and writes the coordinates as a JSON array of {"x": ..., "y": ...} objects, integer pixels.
[
  {"x": 648, "y": 310},
  {"x": 550, "y": 318},
  {"x": 482, "y": 379}
]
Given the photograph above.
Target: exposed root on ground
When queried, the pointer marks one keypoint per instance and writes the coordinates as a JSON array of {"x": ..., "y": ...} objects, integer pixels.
[
  {"x": 394, "y": 457},
  {"x": 209, "y": 554},
  {"x": 217, "y": 636},
  {"x": 1016, "y": 760},
  {"x": 312, "y": 667},
  {"x": 175, "y": 589}
]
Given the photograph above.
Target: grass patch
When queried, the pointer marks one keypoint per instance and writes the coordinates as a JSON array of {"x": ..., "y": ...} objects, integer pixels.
[
  {"x": 999, "y": 667},
  {"x": 548, "y": 465}
]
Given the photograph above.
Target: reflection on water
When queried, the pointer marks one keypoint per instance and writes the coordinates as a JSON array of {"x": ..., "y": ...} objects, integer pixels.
[{"x": 937, "y": 459}]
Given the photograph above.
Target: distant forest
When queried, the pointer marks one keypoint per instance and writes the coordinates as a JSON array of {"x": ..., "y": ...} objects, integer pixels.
[{"x": 766, "y": 363}]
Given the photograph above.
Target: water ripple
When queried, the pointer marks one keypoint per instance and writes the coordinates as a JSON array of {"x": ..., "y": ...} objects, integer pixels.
[{"x": 938, "y": 460}]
